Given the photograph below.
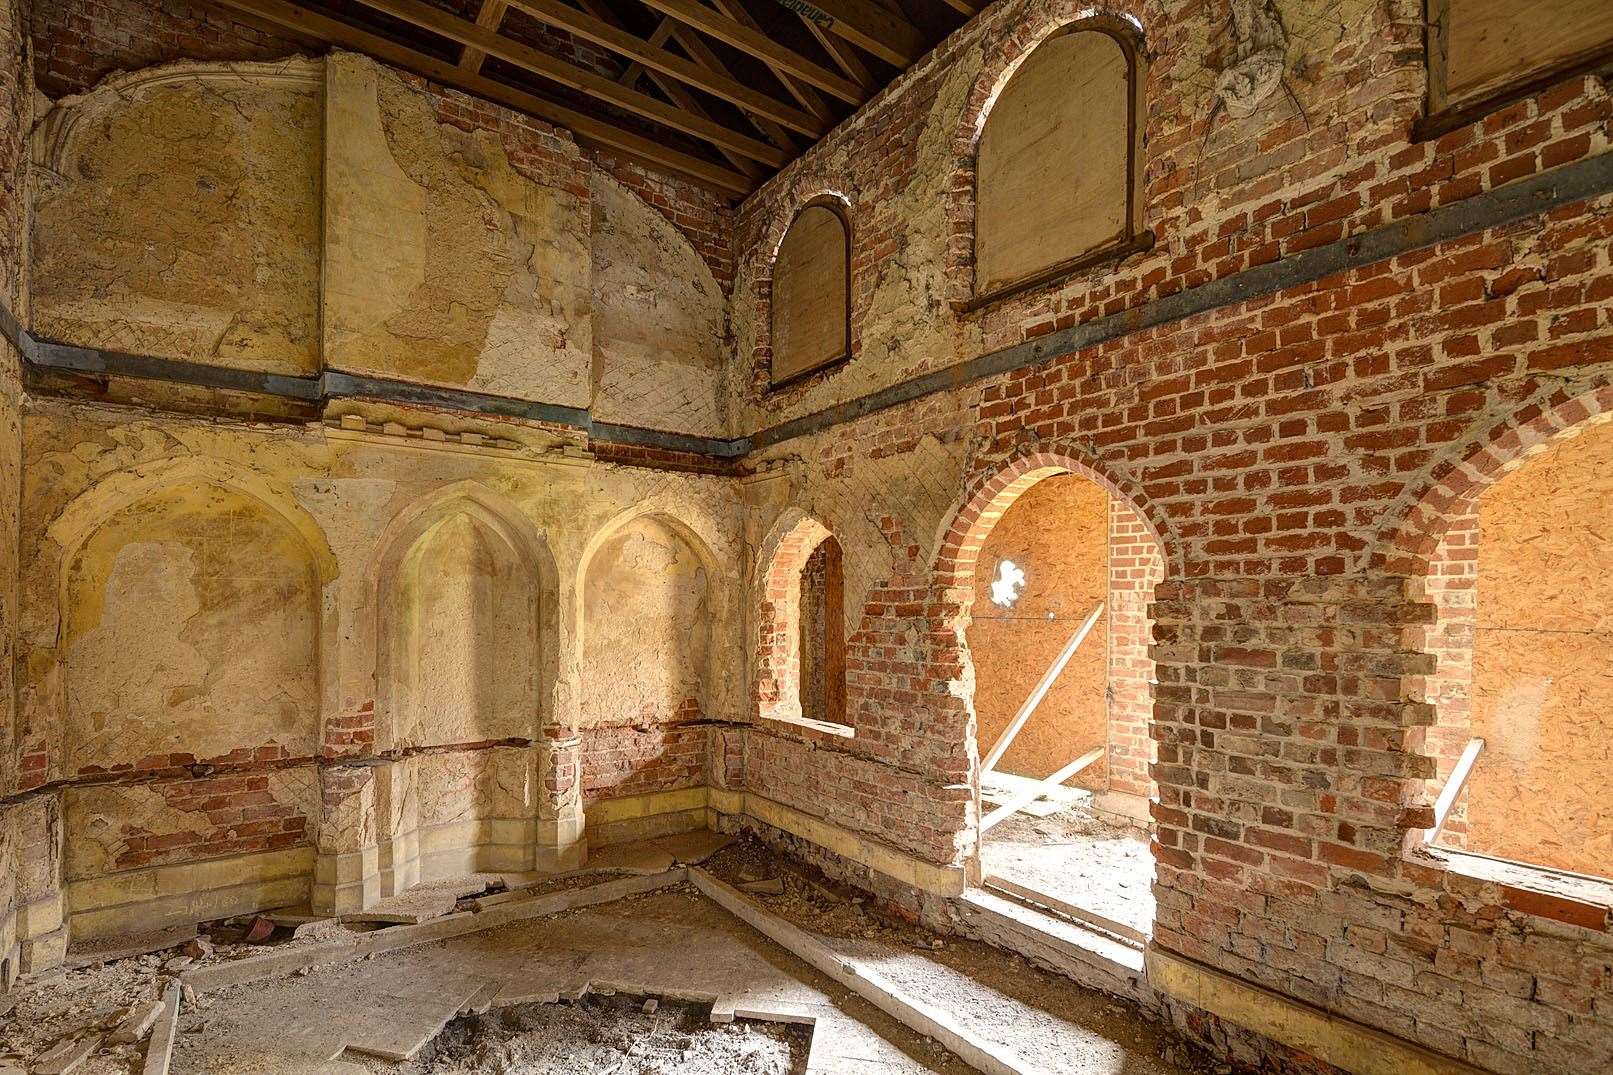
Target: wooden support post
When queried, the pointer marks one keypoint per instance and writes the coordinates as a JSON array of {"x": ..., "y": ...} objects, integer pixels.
[
  {"x": 1453, "y": 788},
  {"x": 994, "y": 755},
  {"x": 1018, "y": 802}
]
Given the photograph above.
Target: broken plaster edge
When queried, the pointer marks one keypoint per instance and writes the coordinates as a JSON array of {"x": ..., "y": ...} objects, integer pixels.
[{"x": 1341, "y": 1042}]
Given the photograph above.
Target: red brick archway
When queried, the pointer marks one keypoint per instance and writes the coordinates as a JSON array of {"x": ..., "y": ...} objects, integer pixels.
[
  {"x": 1408, "y": 542},
  {"x": 1130, "y": 667},
  {"x": 778, "y": 619}
]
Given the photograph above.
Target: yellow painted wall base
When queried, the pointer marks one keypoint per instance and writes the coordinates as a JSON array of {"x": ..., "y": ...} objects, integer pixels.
[
  {"x": 1339, "y": 1041},
  {"x": 637, "y": 817}
]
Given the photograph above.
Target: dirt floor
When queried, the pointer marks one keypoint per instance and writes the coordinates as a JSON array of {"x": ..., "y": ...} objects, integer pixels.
[
  {"x": 1079, "y": 859},
  {"x": 622, "y": 1035}
]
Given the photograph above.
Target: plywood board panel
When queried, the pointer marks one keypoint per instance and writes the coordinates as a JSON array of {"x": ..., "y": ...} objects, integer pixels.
[
  {"x": 810, "y": 278},
  {"x": 1057, "y": 532},
  {"x": 1491, "y": 43},
  {"x": 1054, "y": 160}
]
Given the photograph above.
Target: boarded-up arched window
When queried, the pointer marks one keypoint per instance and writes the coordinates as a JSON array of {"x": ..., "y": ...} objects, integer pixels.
[
  {"x": 1483, "y": 54},
  {"x": 1055, "y": 178},
  {"x": 811, "y": 294}
]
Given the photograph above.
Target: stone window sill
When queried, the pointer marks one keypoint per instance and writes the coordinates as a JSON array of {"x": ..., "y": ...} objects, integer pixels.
[
  {"x": 845, "y": 731},
  {"x": 1573, "y": 898}
]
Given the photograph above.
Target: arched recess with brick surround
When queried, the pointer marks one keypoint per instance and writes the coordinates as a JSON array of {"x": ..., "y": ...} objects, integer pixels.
[
  {"x": 1139, "y": 554},
  {"x": 798, "y": 546},
  {"x": 1507, "y": 543},
  {"x": 1006, "y": 59}
]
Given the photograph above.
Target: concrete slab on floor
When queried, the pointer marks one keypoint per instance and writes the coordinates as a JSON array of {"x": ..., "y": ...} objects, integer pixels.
[{"x": 671, "y": 943}]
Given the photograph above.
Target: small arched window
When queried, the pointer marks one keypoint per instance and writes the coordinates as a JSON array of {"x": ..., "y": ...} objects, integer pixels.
[
  {"x": 1056, "y": 175},
  {"x": 812, "y": 294}
]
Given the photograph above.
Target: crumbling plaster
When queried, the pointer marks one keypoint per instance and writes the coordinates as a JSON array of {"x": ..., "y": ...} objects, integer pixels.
[
  {"x": 451, "y": 798},
  {"x": 177, "y": 214}
]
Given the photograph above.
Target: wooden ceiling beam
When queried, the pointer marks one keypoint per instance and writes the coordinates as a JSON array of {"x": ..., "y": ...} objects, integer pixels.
[
  {"x": 871, "y": 28},
  {"x": 696, "y": 47},
  {"x": 738, "y": 35},
  {"x": 841, "y": 52},
  {"x": 676, "y": 92},
  {"x": 465, "y": 32},
  {"x": 332, "y": 31},
  {"x": 963, "y": 7},
  {"x": 489, "y": 17},
  {"x": 809, "y": 98},
  {"x": 588, "y": 28}
]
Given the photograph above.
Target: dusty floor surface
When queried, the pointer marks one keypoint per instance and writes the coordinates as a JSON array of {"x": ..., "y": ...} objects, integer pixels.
[
  {"x": 672, "y": 944},
  {"x": 1043, "y": 1018},
  {"x": 1079, "y": 859},
  {"x": 610, "y": 1034}
]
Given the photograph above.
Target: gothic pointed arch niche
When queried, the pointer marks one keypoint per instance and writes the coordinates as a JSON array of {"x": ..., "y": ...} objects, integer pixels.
[
  {"x": 466, "y": 624},
  {"x": 651, "y": 617}
]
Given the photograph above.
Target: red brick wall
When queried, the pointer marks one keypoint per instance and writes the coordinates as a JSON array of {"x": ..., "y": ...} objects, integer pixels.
[
  {"x": 1452, "y": 585},
  {"x": 638, "y": 760},
  {"x": 1136, "y": 566},
  {"x": 79, "y": 42},
  {"x": 1295, "y": 451}
]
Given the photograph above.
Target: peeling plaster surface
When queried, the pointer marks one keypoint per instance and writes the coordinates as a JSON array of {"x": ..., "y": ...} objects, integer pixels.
[
  {"x": 461, "y": 672},
  {"x": 177, "y": 215},
  {"x": 659, "y": 320},
  {"x": 191, "y": 630},
  {"x": 443, "y": 263},
  {"x": 646, "y": 609}
]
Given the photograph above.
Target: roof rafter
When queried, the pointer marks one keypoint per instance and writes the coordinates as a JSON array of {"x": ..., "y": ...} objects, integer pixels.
[
  {"x": 758, "y": 44},
  {"x": 588, "y": 28},
  {"x": 529, "y": 59},
  {"x": 319, "y": 27},
  {"x": 875, "y": 30},
  {"x": 810, "y": 99},
  {"x": 489, "y": 17}
]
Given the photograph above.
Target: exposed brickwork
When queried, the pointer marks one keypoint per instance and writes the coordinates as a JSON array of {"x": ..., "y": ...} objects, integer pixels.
[
  {"x": 1297, "y": 455},
  {"x": 640, "y": 759},
  {"x": 1136, "y": 566},
  {"x": 1452, "y": 586},
  {"x": 80, "y": 42},
  {"x": 705, "y": 218},
  {"x": 242, "y": 816}
]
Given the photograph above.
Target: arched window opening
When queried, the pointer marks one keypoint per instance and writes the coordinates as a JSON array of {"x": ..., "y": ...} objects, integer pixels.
[
  {"x": 1056, "y": 175},
  {"x": 1062, "y": 701},
  {"x": 1523, "y": 687},
  {"x": 801, "y": 660},
  {"x": 811, "y": 307},
  {"x": 823, "y": 638},
  {"x": 1485, "y": 54}
]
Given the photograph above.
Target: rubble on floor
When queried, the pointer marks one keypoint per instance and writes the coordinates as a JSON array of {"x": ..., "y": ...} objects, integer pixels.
[{"x": 623, "y": 1035}]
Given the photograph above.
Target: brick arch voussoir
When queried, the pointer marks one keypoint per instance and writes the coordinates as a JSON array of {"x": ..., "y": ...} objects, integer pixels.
[{"x": 1407, "y": 541}]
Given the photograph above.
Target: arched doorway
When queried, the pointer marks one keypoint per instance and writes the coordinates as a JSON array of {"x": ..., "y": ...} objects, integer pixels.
[{"x": 1056, "y": 630}]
